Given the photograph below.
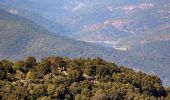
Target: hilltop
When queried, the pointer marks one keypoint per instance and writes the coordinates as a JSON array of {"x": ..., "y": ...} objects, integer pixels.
[{"x": 76, "y": 79}]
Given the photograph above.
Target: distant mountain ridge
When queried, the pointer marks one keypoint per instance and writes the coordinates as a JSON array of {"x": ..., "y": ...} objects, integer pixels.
[
  {"x": 114, "y": 20},
  {"x": 20, "y": 37}
]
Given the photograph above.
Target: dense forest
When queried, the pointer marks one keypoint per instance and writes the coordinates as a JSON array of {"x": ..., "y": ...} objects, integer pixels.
[{"x": 76, "y": 79}]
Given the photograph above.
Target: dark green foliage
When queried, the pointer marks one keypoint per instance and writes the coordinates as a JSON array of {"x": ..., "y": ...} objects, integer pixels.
[
  {"x": 168, "y": 93},
  {"x": 31, "y": 62},
  {"x": 90, "y": 70},
  {"x": 79, "y": 79},
  {"x": 75, "y": 75},
  {"x": 43, "y": 68}
]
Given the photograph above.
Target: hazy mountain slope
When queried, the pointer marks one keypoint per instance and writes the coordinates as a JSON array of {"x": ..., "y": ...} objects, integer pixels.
[
  {"x": 154, "y": 55},
  {"x": 161, "y": 33},
  {"x": 20, "y": 37},
  {"x": 91, "y": 20},
  {"x": 40, "y": 20}
]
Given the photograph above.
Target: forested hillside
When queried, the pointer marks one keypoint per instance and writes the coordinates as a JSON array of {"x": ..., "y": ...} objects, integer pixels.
[{"x": 76, "y": 79}]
